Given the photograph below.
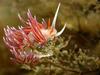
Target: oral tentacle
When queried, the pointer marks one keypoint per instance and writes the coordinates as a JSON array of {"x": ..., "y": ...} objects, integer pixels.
[
  {"x": 62, "y": 30},
  {"x": 55, "y": 17}
]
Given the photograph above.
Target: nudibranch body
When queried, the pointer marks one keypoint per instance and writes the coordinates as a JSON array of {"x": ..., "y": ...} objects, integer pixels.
[
  {"x": 32, "y": 32},
  {"x": 26, "y": 36}
]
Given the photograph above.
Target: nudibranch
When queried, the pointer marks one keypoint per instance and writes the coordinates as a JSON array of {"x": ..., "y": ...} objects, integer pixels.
[
  {"x": 26, "y": 36},
  {"x": 32, "y": 32}
]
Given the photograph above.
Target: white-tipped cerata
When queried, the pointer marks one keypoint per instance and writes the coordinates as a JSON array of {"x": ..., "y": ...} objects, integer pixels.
[
  {"x": 55, "y": 17},
  {"x": 62, "y": 30},
  {"x": 21, "y": 19}
]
